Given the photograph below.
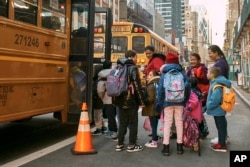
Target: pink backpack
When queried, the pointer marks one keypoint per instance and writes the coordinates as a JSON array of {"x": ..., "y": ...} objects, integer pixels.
[{"x": 191, "y": 133}]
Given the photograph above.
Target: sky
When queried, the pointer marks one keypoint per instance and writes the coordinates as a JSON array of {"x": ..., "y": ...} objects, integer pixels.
[{"x": 217, "y": 17}]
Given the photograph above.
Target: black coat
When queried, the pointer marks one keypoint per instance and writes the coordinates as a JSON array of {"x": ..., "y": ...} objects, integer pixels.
[{"x": 130, "y": 98}]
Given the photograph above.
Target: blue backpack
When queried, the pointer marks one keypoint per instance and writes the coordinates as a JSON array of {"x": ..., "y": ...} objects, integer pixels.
[
  {"x": 117, "y": 81},
  {"x": 174, "y": 86}
]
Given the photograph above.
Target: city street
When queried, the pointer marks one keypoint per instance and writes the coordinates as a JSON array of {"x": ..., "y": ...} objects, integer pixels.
[{"x": 60, "y": 154}]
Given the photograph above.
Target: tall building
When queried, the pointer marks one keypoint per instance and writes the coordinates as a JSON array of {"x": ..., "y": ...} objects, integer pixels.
[
  {"x": 201, "y": 36},
  {"x": 173, "y": 13},
  {"x": 113, "y": 4}
]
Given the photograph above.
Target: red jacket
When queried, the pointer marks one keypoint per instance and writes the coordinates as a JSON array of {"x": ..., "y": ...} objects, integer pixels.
[
  {"x": 155, "y": 63},
  {"x": 200, "y": 72}
]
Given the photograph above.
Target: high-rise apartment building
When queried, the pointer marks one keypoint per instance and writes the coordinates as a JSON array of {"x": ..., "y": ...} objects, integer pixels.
[
  {"x": 173, "y": 13},
  {"x": 113, "y": 4}
]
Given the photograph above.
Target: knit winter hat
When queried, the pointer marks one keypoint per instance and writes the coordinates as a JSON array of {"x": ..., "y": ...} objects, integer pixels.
[{"x": 172, "y": 58}]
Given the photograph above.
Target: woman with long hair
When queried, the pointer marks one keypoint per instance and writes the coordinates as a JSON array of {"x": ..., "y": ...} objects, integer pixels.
[
  {"x": 217, "y": 55},
  {"x": 199, "y": 71}
]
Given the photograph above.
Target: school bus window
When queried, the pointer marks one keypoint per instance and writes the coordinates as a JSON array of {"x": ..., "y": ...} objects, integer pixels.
[
  {"x": 138, "y": 44},
  {"x": 79, "y": 29},
  {"x": 55, "y": 23},
  {"x": 98, "y": 45},
  {"x": 26, "y": 11},
  {"x": 152, "y": 41},
  {"x": 119, "y": 44},
  {"x": 53, "y": 15},
  {"x": 55, "y": 5},
  {"x": 4, "y": 8}
]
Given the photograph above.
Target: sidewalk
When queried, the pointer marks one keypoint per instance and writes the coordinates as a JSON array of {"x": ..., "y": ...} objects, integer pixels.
[{"x": 243, "y": 94}]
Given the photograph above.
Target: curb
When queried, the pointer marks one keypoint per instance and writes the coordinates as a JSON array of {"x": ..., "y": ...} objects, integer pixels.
[{"x": 244, "y": 99}]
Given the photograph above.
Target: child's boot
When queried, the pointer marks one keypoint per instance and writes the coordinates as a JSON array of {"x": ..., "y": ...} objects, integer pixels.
[
  {"x": 180, "y": 148},
  {"x": 165, "y": 150}
]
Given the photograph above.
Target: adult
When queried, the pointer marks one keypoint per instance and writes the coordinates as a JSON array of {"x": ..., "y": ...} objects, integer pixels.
[
  {"x": 129, "y": 104},
  {"x": 217, "y": 55},
  {"x": 199, "y": 71},
  {"x": 156, "y": 60}
]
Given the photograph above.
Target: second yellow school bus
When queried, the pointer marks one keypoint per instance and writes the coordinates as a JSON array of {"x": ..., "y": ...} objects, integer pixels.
[{"x": 129, "y": 35}]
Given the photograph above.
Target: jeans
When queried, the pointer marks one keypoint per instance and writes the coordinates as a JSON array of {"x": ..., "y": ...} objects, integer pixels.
[
  {"x": 221, "y": 125},
  {"x": 111, "y": 115},
  {"x": 128, "y": 119},
  {"x": 154, "y": 123}
]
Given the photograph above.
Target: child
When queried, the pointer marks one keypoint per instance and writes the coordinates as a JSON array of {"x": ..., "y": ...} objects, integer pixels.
[
  {"x": 173, "y": 108},
  {"x": 150, "y": 98},
  {"x": 213, "y": 107},
  {"x": 129, "y": 104},
  {"x": 194, "y": 103}
]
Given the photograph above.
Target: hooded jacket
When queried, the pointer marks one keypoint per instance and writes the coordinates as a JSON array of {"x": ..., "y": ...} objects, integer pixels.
[
  {"x": 215, "y": 96},
  {"x": 134, "y": 96},
  {"x": 155, "y": 63},
  {"x": 150, "y": 98},
  {"x": 194, "y": 104},
  {"x": 101, "y": 86},
  {"x": 161, "y": 92}
]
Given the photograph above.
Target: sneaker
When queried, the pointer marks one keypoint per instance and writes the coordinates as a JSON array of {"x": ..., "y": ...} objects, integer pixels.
[
  {"x": 218, "y": 147},
  {"x": 111, "y": 134},
  {"x": 115, "y": 139},
  {"x": 104, "y": 129},
  {"x": 152, "y": 144},
  {"x": 119, "y": 147},
  {"x": 216, "y": 140},
  {"x": 97, "y": 132},
  {"x": 134, "y": 148}
]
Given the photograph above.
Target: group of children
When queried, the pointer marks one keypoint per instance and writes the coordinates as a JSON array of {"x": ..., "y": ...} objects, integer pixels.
[
  {"x": 170, "y": 91},
  {"x": 195, "y": 98}
]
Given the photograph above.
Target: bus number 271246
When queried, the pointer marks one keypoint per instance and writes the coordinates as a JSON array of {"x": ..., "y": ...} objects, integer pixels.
[{"x": 26, "y": 40}]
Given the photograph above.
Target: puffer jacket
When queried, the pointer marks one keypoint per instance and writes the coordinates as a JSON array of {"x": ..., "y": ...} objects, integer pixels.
[
  {"x": 161, "y": 91},
  {"x": 155, "y": 63},
  {"x": 215, "y": 96},
  {"x": 194, "y": 104},
  {"x": 150, "y": 98},
  {"x": 101, "y": 86},
  {"x": 134, "y": 96}
]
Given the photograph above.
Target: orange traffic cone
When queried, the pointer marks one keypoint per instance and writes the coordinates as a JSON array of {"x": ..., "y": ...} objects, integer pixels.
[{"x": 84, "y": 143}]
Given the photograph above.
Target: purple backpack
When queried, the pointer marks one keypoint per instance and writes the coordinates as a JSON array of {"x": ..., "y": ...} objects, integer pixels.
[{"x": 117, "y": 81}]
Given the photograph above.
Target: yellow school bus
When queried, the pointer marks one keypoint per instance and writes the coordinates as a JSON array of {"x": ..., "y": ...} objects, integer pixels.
[
  {"x": 129, "y": 35},
  {"x": 46, "y": 57}
]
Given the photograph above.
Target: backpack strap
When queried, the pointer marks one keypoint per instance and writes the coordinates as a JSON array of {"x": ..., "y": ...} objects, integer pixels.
[{"x": 216, "y": 86}]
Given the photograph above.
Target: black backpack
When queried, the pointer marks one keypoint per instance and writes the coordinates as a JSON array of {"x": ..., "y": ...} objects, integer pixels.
[{"x": 97, "y": 101}]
